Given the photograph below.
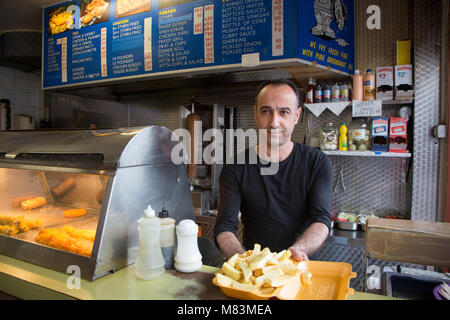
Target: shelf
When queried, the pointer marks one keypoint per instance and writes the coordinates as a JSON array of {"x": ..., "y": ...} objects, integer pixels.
[
  {"x": 399, "y": 101},
  {"x": 368, "y": 154},
  {"x": 349, "y": 103}
]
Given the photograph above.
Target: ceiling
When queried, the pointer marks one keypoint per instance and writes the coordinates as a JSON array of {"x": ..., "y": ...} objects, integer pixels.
[{"x": 23, "y": 15}]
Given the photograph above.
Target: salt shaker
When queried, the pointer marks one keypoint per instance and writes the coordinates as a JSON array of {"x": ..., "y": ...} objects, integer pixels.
[
  {"x": 188, "y": 258},
  {"x": 149, "y": 262}
]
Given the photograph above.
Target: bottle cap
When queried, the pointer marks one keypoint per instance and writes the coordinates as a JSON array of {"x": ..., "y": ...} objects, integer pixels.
[
  {"x": 357, "y": 72},
  {"x": 163, "y": 213},
  {"x": 149, "y": 212},
  {"x": 369, "y": 70},
  {"x": 187, "y": 227}
]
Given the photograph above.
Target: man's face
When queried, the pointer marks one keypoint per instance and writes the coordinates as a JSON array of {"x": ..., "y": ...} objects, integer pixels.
[{"x": 276, "y": 111}]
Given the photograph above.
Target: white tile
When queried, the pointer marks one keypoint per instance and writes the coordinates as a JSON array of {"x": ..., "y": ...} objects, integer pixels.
[
  {"x": 17, "y": 109},
  {"x": 21, "y": 98},
  {"x": 33, "y": 100},
  {"x": 7, "y": 71},
  {"x": 6, "y": 94},
  {"x": 21, "y": 84},
  {"x": 25, "y": 85},
  {"x": 7, "y": 82}
]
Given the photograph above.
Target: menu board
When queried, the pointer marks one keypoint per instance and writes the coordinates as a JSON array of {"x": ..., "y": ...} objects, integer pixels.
[{"x": 88, "y": 41}]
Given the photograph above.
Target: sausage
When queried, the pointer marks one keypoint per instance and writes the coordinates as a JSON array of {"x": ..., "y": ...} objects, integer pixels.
[
  {"x": 64, "y": 187},
  {"x": 33, "y": 203},
  {"x": 74, "y": 213}
]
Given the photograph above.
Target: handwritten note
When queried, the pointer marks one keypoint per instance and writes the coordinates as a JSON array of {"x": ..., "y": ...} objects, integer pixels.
[{"x": 367, "y": 108}]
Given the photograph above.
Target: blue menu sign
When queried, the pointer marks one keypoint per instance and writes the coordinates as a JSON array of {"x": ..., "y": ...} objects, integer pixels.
[{"x": 88, "y": 41}]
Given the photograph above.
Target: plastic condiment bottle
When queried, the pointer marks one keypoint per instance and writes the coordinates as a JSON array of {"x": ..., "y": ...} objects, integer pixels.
[
  {"x": 188, "y": 258},
  {"x": 318, "y": 94},
  {"x": 167, "y": 237},
  {"x": 149, "y": 262},
  {"x": 369, "y": 86},
  {"x": 336, "y": 93},
  {"x": 327, "y": 93},
  {"x": 358, "y": 91},
  {"x": 344, "y": 93},
  {"x": 343, "y": 141},
  {"x": 310, "y": 91}
]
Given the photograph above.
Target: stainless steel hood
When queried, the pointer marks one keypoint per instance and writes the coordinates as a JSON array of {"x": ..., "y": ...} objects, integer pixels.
[
  {"x": 115, "y": 175},
  {"x": 87, "y": 149}
]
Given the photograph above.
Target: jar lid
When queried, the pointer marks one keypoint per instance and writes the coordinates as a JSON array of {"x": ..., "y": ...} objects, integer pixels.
[{"x": 187, "y": 227}]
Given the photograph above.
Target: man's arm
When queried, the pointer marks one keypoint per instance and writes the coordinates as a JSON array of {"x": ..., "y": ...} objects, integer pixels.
[
  {"x": 229, "y": 244},
  {"x": 319, "y": 212},
  {"x": 227, "y": 215},
  {"x": 311, "y": 240}
]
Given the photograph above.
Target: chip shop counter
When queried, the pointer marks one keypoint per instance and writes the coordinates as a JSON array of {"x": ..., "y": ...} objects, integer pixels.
[{"x": 28, "y": 281}]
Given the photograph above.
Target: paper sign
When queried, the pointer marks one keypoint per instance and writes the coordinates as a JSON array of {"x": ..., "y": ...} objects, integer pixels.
[{"x": 367, "y": 108}]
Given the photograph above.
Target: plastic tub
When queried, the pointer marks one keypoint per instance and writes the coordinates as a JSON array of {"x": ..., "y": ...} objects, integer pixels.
[{"x": 330, "y": 281}]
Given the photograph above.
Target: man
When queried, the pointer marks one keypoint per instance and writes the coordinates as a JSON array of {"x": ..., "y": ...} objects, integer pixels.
[{"x": 289, "y": 209}]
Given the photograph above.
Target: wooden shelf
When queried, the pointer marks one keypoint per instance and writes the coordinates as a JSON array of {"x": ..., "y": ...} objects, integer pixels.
[{"x": 368, "y": 154}]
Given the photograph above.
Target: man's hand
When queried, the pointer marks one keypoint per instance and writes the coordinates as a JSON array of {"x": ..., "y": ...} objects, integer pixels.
[
  {"x": 309, "y": 241},
  {"x": 298, "y": 253}
]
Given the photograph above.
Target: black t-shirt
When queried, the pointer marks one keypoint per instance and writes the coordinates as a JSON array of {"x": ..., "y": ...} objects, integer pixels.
[{"x": 276, "y": 209}]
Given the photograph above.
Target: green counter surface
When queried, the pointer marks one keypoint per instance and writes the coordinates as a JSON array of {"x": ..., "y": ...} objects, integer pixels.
[{"x": 28, "y": 281}]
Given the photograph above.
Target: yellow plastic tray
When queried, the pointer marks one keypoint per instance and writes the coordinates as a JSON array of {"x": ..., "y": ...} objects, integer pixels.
[{"x": 330, "y": 281}]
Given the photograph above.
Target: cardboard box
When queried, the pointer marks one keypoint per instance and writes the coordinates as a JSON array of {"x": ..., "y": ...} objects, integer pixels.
[
  {"x": 403, "y": 52},
  {"x": 398, "y": 135},
  {"x": 403, "y": 78},
  {"x": 380, "y": 134},
  {"x": 420, "y": 242},
  {"x": 385, "y": 83}
]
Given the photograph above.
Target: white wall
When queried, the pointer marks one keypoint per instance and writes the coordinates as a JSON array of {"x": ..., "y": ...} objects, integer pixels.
[{"x": 23, "y": 90}]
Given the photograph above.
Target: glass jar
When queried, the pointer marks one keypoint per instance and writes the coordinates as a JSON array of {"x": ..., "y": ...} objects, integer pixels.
[
  {"x": 328, "y": 137},
  {"x": 359, "y": 135}
]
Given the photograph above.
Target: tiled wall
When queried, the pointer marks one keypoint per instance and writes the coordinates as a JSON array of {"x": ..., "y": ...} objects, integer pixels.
[{"x": 23, "y": 90}]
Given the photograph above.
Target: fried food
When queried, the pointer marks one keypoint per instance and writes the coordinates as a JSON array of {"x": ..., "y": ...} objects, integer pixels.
[
  {"x": 33, "y": 203},
  {"x": 64, "y": 187},
  {"x": 261, "y": 271},
  {"x": 124, "y": 7},
  {"x": 96, "y": 8},
  {"x": 8, "y": 230},
  {"x": 60, "y": 20},
  {"x": 87, "y": 18},
  {"x": 13, "y": 225},
  {"x": 68, "y": 239},
  {"x": 17, "y": 201},
  {"x": 74, "y": 213},
  {"x": 78, "y": 233}
]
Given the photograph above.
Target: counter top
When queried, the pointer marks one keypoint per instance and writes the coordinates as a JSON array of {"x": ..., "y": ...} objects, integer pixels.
[{"x": 27, "y": 281}]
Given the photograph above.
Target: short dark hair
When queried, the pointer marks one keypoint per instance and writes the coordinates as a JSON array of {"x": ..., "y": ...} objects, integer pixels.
[{"x": 278, "y": 83}]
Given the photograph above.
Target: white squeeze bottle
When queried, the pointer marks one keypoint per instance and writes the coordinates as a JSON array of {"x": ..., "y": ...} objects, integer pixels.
[
  {"x": 188, "y": 258},
  {"x": 149, "y": 262}
]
